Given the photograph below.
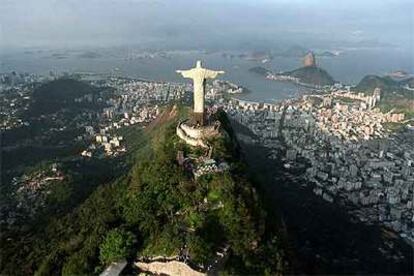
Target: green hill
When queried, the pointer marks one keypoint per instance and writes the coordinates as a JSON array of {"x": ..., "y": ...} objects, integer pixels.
[
  {"x": 61, "y": 93},
  {"x": 312, "y": 75},
  {"x": 155, "y": 208},
  {"x": 394, "y": 95},
  {"x": 390, "y": 88},
  {"x": 408, "y": 82},
  {"x": 62, "y": 90},
  {"x": 386, "y": 84},
  {"x": 370, "y": 82}
]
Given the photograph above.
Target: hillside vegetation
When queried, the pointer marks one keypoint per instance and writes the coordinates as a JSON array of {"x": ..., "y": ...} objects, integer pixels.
[
  {"x": 156, "y": 208},
  {"x": 394, "y": 96},
  {"x": 61, "y": 93}
]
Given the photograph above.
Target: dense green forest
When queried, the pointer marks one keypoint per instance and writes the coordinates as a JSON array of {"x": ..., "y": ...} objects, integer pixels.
[
  {"x": 61, "y": 93},
  {"x": 370, "y": 82},
  {"x": 154, "y": 208}
]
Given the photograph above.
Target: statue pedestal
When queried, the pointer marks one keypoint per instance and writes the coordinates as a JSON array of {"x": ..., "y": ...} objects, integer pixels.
[
  {"x": 196, "y": 135},
  {"x": 198, "y": 119}
]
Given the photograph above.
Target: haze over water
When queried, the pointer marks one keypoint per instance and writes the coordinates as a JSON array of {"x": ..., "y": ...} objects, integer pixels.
[
  {"x": 348, "y": 68},
  {"x": 375, "y": 37}
]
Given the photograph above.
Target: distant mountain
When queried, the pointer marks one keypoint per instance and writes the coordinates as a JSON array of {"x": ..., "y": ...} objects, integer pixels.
[
  {"x": 312, "y": 75},
  {"x": 386, "y": 83},
  {"x": 399, "y": 74},
  {"x": 260, "y": 70},
  {"x": 294, "y": 51},
  {"x": 299, "y": 51},
  {"x": 370, "y": 82},
  {"x": 90, "y": 54},
  {"x": 408, "y": 82},
  {"x": 394, "y": 93},
  {"x": 259, "y": 56},
  {"x": 308, "y": 75},
  {"x": 326, "y": 54}
]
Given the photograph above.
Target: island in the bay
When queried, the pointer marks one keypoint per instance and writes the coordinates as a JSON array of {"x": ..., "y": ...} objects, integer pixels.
[{"x": 309, "y": 75}]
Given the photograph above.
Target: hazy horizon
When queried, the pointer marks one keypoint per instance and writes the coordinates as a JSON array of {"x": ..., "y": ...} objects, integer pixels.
[{"x": 211, "y": 25}]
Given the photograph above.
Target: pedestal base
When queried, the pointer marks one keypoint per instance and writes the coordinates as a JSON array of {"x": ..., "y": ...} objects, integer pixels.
[
  {"x": 198, "y": 118},
  {"x": 197, "y": 135}
]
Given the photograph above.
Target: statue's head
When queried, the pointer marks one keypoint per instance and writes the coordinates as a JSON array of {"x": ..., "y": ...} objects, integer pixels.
[{"x": 198, "y": 64}]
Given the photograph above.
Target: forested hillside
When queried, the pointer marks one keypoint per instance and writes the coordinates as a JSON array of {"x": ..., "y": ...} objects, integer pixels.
[{"x": 155, "y": 208}]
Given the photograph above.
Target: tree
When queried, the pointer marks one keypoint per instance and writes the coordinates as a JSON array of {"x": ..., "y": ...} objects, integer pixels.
[
  {"x": 200, "y": 250},
  {"x": 116, "y": 245}
]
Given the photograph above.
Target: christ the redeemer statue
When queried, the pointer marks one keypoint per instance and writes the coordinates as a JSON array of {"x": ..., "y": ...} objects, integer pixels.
[{"x": 199, "y": 76}]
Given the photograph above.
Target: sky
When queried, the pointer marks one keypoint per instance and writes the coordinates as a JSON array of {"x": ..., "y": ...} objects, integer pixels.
[{"x": 207, "y": 24}]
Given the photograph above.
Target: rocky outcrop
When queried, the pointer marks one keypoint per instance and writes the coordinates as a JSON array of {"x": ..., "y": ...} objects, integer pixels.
[
  {"x": 309, "y": 60},
  {"x": 168, "y": 268}
]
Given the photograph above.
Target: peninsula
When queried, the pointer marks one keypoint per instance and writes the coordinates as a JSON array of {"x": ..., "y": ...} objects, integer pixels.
[{"x": 309, "y": 75}]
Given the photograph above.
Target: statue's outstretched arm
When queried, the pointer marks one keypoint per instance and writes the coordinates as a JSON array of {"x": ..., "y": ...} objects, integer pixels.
[
  {"x": 211, "y": 74},
  {"x": 186, "y": 73}
]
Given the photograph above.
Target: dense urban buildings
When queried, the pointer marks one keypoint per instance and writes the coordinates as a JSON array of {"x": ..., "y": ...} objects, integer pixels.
[{"x": 351, "y": 155}]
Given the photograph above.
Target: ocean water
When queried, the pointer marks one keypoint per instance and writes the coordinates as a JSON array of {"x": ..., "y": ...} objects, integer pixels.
[{"x": 348, "y": 68}]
